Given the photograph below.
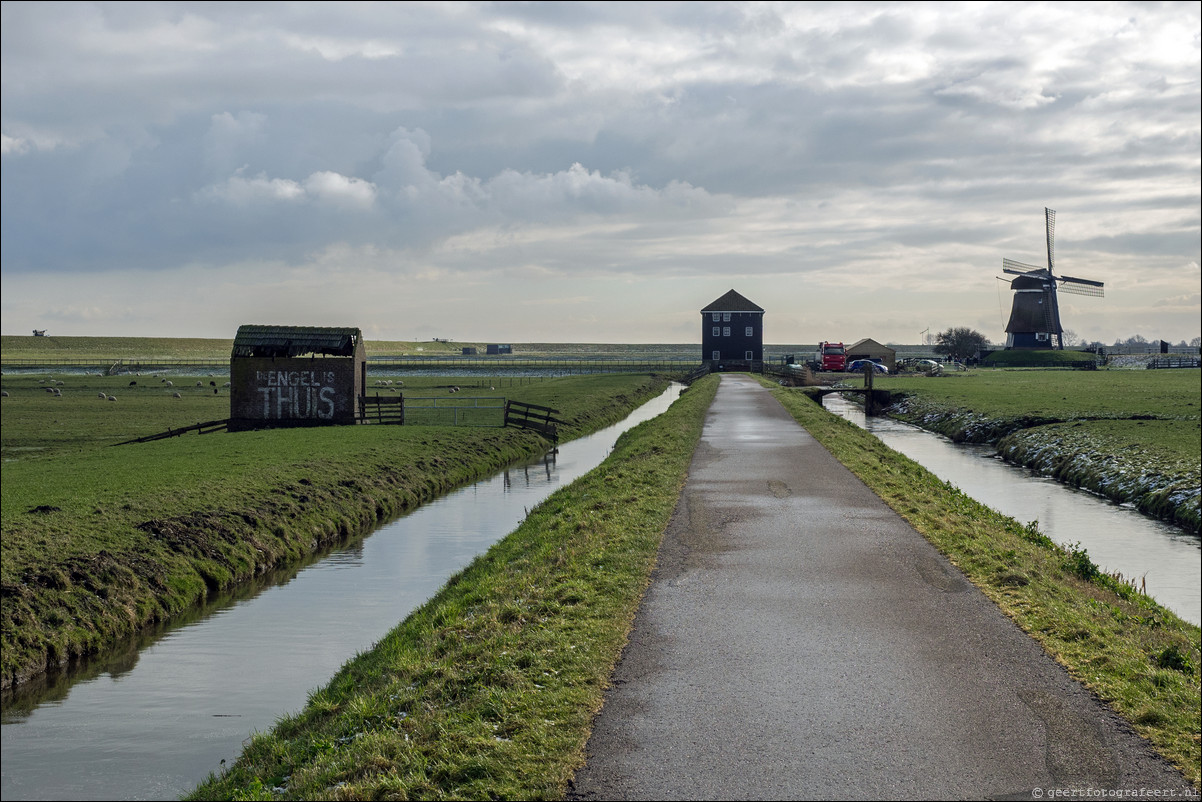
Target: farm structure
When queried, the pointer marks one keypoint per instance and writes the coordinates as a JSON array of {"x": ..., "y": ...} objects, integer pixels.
[
  {"x": 871, "y": 350},
  {"x": 296, "y": 376},
  {"x": 732, "y": 334}
]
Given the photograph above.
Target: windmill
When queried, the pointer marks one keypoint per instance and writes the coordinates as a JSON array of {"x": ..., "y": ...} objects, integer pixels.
[{"x": 1035, "y": 315}]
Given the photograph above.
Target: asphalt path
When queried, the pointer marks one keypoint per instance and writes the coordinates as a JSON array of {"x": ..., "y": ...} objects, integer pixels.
[{"x": 801, "y": 641}]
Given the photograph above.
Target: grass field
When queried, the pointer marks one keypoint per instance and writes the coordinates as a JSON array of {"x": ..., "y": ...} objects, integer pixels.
[
  {"x": 25, "y": 347},
  {"x": 100, "y": 540}
]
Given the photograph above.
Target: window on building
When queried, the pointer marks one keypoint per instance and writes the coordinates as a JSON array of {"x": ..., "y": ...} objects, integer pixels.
[
  {"x": 715, "y": 317},
  {"x": 716, "y": 355},
  {"x": 747, "y": 332},
  {"x": 726, "y": 317},
  {"x": 749, "y": 355},
  {"x": 717, "y": 331},
  {"x": 726, "y": 331}
]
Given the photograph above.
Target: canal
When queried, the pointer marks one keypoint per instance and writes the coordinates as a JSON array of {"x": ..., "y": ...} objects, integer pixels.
[
  {"x": 1117, "y": 537},
  {"x": 154, "y": 719}
]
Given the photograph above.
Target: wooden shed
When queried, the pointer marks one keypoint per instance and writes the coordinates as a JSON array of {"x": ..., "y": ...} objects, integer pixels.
[
  {"x": 871, "y": 349},
  {"x": 296, "y": 376}
]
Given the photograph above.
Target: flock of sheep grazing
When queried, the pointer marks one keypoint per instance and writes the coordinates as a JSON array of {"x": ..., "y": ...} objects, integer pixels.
[
  {"x": 53, "y": 388},
  {"x": 55, "y": 384},
  {"x": 399, "y": 383}
]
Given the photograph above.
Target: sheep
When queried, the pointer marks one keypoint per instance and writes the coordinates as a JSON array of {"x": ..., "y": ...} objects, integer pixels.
[
  {"x": 103, "y": 396},
  {"x": 170, "y": 384},
  {"x": 112, "y": 398},
  {"x": 133, "y": 384},
  {"x": 200, "y": 384},
  {"x": 212, "y": 384},
  {"x": 3, "y": 393},
  {"x": 227, "y": 384},
  {"x": 176, "y": 395}
]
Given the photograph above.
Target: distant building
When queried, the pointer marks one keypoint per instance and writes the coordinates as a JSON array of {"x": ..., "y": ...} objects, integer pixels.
[
  {"x": 469, "y": 351},
  {"x": 500, "y": 349},
  {"x": 732, "y": 334},
  {"x": 872, "y": 350},
  {"x": 296, "y": 376}
]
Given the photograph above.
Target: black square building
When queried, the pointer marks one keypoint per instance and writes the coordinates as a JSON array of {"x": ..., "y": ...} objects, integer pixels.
[{"x": 732, "y": 334}]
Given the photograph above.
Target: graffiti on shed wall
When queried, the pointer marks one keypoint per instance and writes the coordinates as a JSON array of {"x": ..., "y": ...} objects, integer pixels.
[
  {"x": 296, "y": 393},
  {"x": 293, "y": 392}
]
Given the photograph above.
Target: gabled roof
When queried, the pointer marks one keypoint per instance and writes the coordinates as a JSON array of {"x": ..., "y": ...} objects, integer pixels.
[
  {"x": 290, "y": 341},
  {"x": 868, "y": 342},
  {"x": 732, "y": 302}
]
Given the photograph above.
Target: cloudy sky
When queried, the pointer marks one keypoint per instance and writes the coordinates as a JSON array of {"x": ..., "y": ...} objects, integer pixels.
[{"x": 595, "y": 172}]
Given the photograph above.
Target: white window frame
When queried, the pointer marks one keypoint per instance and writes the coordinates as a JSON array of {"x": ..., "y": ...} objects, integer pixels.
[
  {"x": 749, "y": 331},
  {"x": 726, "y": 331},
  {"x": 717, "y": 331},
  {"x": 716, "y": 355},
  {"x": 716, "y": 317},
  {"x": 749, "y": 355},
  {"x": 726, "y": 317}
]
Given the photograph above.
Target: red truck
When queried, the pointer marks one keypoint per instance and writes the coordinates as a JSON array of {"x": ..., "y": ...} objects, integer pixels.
[{"x": 832, "y": 356}]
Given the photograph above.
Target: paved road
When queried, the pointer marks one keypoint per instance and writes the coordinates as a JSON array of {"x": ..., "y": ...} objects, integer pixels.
[{"x": 800, "y": 640}]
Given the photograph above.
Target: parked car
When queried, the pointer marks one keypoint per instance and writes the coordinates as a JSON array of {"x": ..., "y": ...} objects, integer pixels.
[{"x": 857, "y": 366}]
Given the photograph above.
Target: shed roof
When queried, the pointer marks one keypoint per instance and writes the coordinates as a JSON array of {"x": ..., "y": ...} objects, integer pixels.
[
  {"x": 869, "y": 344},
  {"x": 290, "y": 341},
  {"x": 732, "y": 302}
]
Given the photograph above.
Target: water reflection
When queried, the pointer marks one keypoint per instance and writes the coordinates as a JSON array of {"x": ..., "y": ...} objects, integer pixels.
[
  {"x": 1117, "y": 537},
  {"x": 152, "y": 720}
]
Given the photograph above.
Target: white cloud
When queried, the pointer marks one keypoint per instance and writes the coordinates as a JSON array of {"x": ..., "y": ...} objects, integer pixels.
[
  {"x": 874, "y": 159},
  {"x": 12, "y": 145},
  {"x": 241, "y": 191},
  {"x": 340, "y": 189}
]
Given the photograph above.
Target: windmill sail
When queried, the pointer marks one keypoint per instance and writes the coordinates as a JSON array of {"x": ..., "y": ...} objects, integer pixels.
[{"x": 1035, "y": 314}]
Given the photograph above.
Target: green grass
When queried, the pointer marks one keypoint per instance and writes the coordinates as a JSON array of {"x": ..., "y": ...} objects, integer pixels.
[
  {"x": 489, "y": 689},
  {"x": 101, "y": 541},
  {"x": 1052, "y": 396},
  {"x": 1049, "y": 359},
  {"x": 1140, "y": 658}
]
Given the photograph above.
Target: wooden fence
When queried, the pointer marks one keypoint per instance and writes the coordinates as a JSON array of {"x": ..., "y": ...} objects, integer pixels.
[
  {"x": 389, "y": 409},
  {"x": 200, "y": 428},
  {"x": 1174, "y": 362},
  {"x": 532, "y": 416}
]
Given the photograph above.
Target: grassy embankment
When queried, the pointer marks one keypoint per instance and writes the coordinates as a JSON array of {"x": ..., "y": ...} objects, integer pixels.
[
  {"x": 101, "y": 542},
  {"x": 1133, "y": 436},
  {"x": 488, "y": 690},
  {"x": 1139, "y": 658}
]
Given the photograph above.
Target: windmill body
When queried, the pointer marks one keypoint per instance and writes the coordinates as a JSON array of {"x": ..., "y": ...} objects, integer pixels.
[{"x": 1035, "y": 314}]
